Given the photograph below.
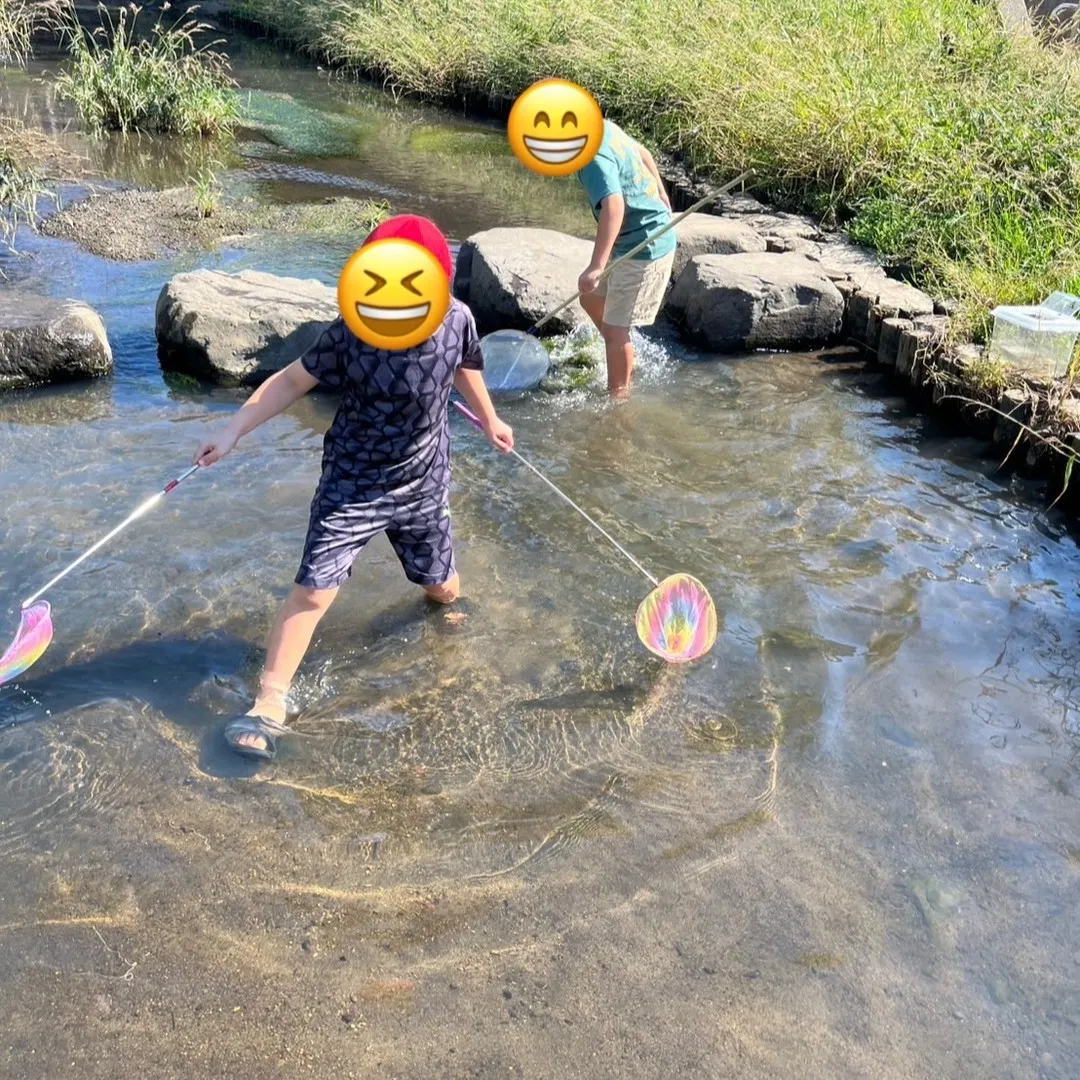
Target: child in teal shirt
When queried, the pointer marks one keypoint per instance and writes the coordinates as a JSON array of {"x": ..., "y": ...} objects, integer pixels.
[{"x": 628, "y": 200}]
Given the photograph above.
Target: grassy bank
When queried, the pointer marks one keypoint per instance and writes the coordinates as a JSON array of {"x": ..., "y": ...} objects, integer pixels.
[{"x": 915, "y": 123}]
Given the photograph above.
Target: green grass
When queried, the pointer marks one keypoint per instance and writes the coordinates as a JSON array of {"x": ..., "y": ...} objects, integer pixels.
[
  {"x": 20, "y": 186},
  {"x": 20, "y": 20},
  {"x": 332, "y": 218},
  {"x": 206, "y": 189},
  {"x": 917, "y": 124},
  {"x": 164, "y": 81}
]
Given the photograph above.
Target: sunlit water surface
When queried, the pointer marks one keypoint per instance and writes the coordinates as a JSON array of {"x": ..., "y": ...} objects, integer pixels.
[{"x": 844, "y": 844}]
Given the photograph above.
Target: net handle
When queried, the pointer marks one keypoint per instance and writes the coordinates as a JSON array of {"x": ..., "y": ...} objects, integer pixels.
[
  {"x": 475, "y": 420},
  {"x": 138, "y": 512},
  {"x": 741, "y": 178}
]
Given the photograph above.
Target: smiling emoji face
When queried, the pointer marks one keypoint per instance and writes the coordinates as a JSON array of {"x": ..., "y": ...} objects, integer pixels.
[
  {"x": 393, "y": 294},
  {"x": 555, "y": 127}
]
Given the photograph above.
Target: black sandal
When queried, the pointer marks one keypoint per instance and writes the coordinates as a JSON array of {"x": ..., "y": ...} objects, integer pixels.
[{"x": 262, "y": 726}]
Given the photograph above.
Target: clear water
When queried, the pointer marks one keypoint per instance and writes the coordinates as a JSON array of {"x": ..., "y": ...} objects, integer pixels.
[{"x": 844, "y": 845}]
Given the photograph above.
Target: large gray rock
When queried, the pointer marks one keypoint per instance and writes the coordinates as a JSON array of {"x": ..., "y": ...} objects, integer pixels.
[
  {"x": 43, "y": 340},
  {"x": 238, "y": 329},
  {"x": 513, "y": 277},
  {"x": 728, "y": 303},
  {"x": 707, "y": 234}
]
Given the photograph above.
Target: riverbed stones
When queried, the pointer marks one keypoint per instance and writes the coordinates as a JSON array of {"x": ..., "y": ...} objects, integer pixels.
[
  {"x": 727, "y": 303},
  {"x": 512, "y": 277},
  {"x": 238, "y": 329},
  {"x": 44, "y": 340},
  {"x": 707, "y": 234}
]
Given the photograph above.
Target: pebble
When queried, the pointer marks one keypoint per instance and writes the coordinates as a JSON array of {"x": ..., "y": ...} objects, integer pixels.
[{"x": 1000, "y": 993}]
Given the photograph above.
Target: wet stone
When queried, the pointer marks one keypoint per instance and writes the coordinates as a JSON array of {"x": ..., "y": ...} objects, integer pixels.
[
  {"x": 937, "y": 901},
  {"x": 44, "y": 340}
]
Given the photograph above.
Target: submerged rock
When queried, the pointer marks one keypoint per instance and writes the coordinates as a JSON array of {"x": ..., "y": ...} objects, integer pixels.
[
  {"x": 238, "y": 329},
  {"x": 43, "y": 340},
  {"x": 513, "y": 277},
  {"x": 707, "y": 234},
  {"x": 728, "y": 303}
]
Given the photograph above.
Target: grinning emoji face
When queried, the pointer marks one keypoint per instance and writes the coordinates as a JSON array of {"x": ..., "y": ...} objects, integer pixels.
[
  {"x": 555, "y": 127},
  {"x": 393, "y": 294}
]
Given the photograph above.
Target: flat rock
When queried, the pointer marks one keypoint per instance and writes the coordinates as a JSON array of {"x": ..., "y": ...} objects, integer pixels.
[
  {"x": 901, "y": 300},
  {"x": 238, "y": 329},
  {"x": 842, "y": 258},
  {"x": 782, "y": 226},
  {"x": 43, "y": 340},
  {"x": 512, "y": 277},
  {"x": 728, "y": 303},
  {"x": 706, "y": 234}
]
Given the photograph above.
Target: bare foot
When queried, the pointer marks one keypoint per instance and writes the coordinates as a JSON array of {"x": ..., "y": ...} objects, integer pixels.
[{"x": 252, "y": 741}]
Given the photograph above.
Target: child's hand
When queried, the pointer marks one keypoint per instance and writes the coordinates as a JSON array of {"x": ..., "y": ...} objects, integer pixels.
[
  {"x": 501, "y": 435},
  {"x": 589, "y": 279},
  {"x": 214, "y": 449}
]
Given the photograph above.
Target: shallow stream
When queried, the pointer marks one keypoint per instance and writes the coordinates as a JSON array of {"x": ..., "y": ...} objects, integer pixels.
[{"x": 844, "y": 845}]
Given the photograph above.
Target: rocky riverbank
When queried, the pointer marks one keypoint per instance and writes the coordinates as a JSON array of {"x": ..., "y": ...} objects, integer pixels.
[{"x": 746, "y": 278}]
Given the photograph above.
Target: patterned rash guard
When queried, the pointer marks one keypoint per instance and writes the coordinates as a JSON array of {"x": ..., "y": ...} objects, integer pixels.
[{"x": 386, "y": 455}]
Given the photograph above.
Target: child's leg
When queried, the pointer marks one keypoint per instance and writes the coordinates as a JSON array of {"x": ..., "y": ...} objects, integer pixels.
[
  {"x": 289, "y": 640},
  {"x": 618, "y": 351},
  {"x": 336, "y": 535},
  {"x": 593, "y": 303},
  {"x": 446, "y": 593},
  {"x": 635, "y": 295},
  {"x": 423, "y": 541},
  {"x": 620, "y": 357}
]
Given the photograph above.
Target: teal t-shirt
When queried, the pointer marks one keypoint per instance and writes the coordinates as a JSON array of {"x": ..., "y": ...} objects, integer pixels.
[{"x": 618, "y": 169}]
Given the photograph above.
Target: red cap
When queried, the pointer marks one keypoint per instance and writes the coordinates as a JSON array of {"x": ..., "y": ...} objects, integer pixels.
[{"x": 420, "y": 230}]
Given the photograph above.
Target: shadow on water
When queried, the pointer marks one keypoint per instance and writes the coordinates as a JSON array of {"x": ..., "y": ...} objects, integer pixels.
[{"x": 186, "y": 680}]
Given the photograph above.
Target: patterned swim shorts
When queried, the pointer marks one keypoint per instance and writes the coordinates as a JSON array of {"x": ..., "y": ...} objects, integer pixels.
[{"x": 419, "y": 534}]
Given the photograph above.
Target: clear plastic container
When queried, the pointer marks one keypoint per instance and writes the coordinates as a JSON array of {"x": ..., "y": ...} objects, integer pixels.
[{"x": 1038, "y": 339}]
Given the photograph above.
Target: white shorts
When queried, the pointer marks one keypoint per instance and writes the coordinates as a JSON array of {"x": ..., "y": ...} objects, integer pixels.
[{"x": 634, "y": 291}]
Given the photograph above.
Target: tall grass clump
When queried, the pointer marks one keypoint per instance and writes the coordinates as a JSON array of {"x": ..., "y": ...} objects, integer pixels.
[
  {"x": 920, "y": 125},
  {"x": 20, "y": 20},
  {"x": 20, "y": 185},
  {"x": 163, "y": 82}
]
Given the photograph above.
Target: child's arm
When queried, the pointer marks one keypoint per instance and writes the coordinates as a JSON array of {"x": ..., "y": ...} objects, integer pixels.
[
  {"x": 650, "y": 164},
  {"x": 612, "y": 211},
  {"x": 470, "y": 384},
  {"x": 274, "y": 396}
]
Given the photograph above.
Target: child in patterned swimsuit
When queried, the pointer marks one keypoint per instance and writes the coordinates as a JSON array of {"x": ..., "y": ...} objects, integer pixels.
[{"x": 386, "y": 468}]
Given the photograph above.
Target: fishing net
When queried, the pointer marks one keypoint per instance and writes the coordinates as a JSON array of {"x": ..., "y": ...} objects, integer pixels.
[
  {"x": 33, "y": 637},
  {"x": 513, "y": 361},
  {"x": 677, "y": 620}
]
